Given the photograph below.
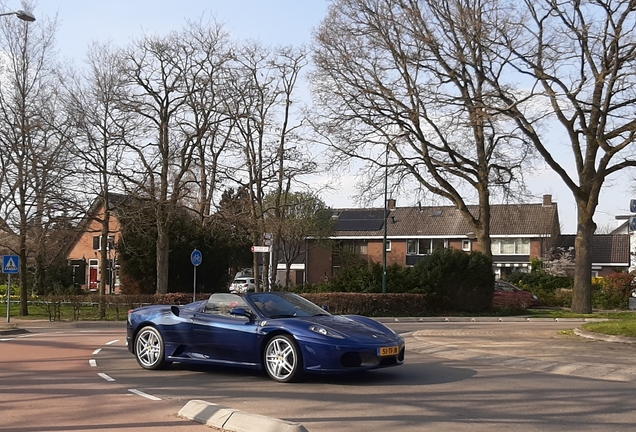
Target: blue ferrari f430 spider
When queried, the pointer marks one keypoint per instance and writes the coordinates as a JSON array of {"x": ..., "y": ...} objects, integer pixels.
[{"x": 283, "y": 333}]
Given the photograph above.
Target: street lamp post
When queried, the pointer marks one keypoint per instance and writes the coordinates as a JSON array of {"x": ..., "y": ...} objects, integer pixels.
[
  {"x": 386, "y": 207},
  {"x": 386, "y": 216},
  {"x": 23, "y": 15}
]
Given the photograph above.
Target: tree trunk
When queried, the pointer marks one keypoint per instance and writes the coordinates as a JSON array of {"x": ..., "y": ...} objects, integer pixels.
[
  {"x": 103, "y": 260},
  {"x": 24, "y": 293},
  {"x": 582, "y": 292},
  {"x": 163, "y": 252},
  {"x": 255, "y": 265}
]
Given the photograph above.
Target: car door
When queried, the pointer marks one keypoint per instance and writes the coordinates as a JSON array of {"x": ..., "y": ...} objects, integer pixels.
[{"x": 220, "y": 336}]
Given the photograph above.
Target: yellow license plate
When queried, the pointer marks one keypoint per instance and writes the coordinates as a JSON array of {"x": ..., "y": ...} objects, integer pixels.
[{"x": 388, "y": 351}]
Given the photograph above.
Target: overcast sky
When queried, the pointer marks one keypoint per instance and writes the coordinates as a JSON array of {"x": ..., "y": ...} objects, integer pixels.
[{"x": 273, "y": 22}]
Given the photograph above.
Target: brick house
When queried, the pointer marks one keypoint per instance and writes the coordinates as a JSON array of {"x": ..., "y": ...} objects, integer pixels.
[
  {"x": 83, "y": 254},
  {"x": 610, "y": 252},
  {"x": 519, "y": 233}
]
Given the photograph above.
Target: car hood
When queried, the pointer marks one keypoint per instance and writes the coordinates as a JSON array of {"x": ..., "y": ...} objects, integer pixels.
[{"x": 355, "y": 328}]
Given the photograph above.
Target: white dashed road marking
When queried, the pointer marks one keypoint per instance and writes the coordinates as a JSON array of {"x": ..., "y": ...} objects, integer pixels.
[
  {"x": 146, "y": 395},
  {"x": 106, "y": 377}
]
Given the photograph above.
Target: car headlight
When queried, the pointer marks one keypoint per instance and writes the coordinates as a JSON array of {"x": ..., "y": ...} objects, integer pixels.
[{"x": 325, "y": 331}]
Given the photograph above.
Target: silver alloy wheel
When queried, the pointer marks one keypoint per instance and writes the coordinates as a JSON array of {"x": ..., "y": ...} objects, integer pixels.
[
  {"x": 282, "y": 359},
  {"x": 149, "y": 348}
]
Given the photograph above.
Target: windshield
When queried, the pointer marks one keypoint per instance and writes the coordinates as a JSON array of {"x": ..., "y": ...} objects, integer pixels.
[{"x": 285, "y": 305}]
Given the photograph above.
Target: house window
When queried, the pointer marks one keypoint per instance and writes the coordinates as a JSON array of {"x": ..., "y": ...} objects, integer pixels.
[
  {"x": 466, "y": 245},
  {"x": 424, "y": 246},
  {"x": 356, "y": 247},
  {"x": 411, "y": 247},
  {"x": 438, "y": 244},
  {"x": 97, "y": 242},
  {"x": 517, "y": 246},
  {"x": 361, "y": 248}
]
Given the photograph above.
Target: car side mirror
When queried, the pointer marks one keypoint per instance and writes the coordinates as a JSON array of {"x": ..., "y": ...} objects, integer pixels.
[
  {"x": 242, "y": 312},
  {"x": 325, "y": 308},
  {"x": 175, "y": 310}
]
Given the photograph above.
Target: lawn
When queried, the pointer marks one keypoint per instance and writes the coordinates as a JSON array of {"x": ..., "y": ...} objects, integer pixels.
[
  {"x": 621, "y": 323},
  {"x": 39, "y": 311}
]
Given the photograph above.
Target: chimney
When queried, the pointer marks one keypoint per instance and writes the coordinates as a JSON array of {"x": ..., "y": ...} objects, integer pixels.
[
  {"x": 390, "y": 204},
  {"x": 547, "y": 200}
]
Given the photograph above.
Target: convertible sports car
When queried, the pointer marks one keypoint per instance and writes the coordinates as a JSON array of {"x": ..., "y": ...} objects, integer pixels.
[{"x": 283, "y": 333}]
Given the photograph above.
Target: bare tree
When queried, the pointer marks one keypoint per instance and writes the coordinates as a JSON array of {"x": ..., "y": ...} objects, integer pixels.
[
  {"x": 295, "y": 217},
  {"x": 209, "y": 126},
  {"x": 33, "y": 149},
  {"x": 155, "y": 69},
  {"x": 267, "y": 145},
  {"x": 93, "y": 101},
  {"x": 413, "y": 79},
  {"x": 580, "y": 59}
]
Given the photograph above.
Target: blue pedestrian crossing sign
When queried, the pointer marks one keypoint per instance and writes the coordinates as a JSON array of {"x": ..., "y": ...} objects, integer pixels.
[{"x": 10, "y": 264}]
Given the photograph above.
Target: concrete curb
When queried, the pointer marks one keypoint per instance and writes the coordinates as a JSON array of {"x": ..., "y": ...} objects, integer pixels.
[
  {"x": 485, "y": 319},
  {"x": 604, "y": 337},
  {"x": 234, "y": 420}
]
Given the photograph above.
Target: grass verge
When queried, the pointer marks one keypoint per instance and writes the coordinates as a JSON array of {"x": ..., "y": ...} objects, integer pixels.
[
  {"x": 66, "y": 313},
  {"x": 614, "y": 328},
  {"x": 622, "y": 323}
]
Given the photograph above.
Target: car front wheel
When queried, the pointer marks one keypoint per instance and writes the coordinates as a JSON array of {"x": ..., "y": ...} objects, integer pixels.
[
  {"x": 149, "y": 349},
  {"x": 283, "y": 361}
]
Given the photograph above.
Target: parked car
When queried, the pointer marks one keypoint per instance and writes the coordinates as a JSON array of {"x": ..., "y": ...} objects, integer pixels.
[
  {"x": 283, "y": 333},
  {"x": 242, "y": 285},
  {"x": 509, "y": 296}
]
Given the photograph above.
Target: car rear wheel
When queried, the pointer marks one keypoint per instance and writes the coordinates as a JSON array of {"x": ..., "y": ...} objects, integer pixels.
[
  {"x": 283, "y": 361},
  {"x": 149, "y": 349}
]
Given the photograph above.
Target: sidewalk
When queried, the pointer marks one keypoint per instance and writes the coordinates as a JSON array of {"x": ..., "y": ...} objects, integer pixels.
[{"x": 20, "y": 325}]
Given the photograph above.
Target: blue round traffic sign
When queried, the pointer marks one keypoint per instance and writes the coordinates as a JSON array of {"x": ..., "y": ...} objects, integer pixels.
[{"x": 196, "y": 257}]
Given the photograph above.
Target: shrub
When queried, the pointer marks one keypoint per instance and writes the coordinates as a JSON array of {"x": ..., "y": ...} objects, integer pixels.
[
  {"x": 375, "y": 305},
  {"x": 455, "y": 280},
  {"x": 358, "y": 277},
  {"x": 550, "y": 289},
  {"x": 612, "y": 291}
]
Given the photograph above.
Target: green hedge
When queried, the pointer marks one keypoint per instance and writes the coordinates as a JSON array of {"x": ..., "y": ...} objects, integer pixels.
[
  {"x": 451, "y": 280},
  {"x": 373, "y": 305},
  {"x": 455, "y": 281}
]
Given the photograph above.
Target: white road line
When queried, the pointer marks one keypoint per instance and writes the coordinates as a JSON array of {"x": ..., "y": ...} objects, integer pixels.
[
  {"x": 5, "y": 340},
  {"x": 112, "y": 342},
  {"x": 92, "y": 362},
  {"x": 97, "y": 351},
  {"x": 106, "y": 377},
  {"x": 146, "y": 395}
]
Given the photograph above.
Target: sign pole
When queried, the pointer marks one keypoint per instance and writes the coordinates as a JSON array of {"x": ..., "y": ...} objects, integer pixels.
[
  {"x": 8, "y": 298},
  {"x": 195, "y": 258},
  {"x": 10, "y": 265}
]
